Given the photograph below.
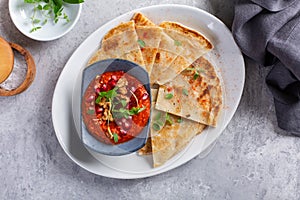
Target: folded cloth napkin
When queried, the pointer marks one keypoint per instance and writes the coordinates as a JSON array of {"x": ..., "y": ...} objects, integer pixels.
[{"x": 268, "y": 31}]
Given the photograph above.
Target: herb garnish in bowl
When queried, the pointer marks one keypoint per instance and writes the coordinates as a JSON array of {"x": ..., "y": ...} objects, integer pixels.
[{"x": 49, "y": 10}]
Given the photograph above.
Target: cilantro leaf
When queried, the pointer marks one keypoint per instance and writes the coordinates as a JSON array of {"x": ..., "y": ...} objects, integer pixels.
[
  {"x": 168, "y": 119},
  {"x": 141, "y": 43},
  {"x": 169, "y": 96},
  {"x": 185, "y": 92},
  {"x": 91, "y": 112},
  {"x": 196, "y": 75},
  {"x": 116, "y": 137},
  {"x": 156, "y": 126},
  {"x": 109, "y": 95},
  {"x": 158, "y": 116},
  {"x": 136, "y": 110},
  {"x": 123, "y": 102},
  {"x": 177, "y": 43}
]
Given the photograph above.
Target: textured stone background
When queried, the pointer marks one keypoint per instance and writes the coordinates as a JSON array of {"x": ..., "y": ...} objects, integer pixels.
[{"x": 252, "y": 159}]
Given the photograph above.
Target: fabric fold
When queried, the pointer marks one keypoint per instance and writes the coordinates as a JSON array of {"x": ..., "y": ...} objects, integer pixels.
[{"x": 269, "y": 33}]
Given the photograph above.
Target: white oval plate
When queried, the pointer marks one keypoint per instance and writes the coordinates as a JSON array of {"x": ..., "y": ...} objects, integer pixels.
[
  {"x": 21, "y": 12},
  {"x": 226, "y": 57}
]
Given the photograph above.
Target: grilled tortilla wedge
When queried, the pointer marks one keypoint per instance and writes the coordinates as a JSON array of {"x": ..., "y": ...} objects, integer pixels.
[
  {"x": 195, "y": 94},
  {"x": 194, "y": 44},
  {"x": 120, "y": 42}
]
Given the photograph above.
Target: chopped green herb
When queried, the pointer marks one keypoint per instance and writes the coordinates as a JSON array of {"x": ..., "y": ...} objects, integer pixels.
[
  {"x": 108, "y": 95},
  {"x": 36, "y": 21},
  {"x": 156, "y": 127},
  {"x": 169, "y": 96},
  {"x": 125, "y": 113},
  {"x": 185, "y": 92},
  {"x": 196, "y": 75},
  {"x": 168, "y": 119},
  {"x": 98, "y": 99},
  {"x": 46, "y": 7},
  {"x": 141, "y": 43},
  {"x": 35, "y": 29},
  {"x": 40, "y": 7},
  {"x": 158, "y": 116},
  {"x": 123, "y": 102},
  {"x": 116, "y": 137},
  {"x": 44, "y": 22},
  {"x": 49, "y": 9},
  {"x": 179, "y": 120},
  {"x": 121, "y": 113},
  {"x": 91, "y": 112},
  {"x": 190, "y": 69},
  {"x": 136, "y": 110},
  {"x": 177, "y": 43}
]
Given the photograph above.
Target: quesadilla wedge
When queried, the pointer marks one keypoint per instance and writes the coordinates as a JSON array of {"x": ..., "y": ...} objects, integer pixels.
[
  {"x": 166, "y": 54},
  {"x": 172, "y": 138},
  {"x": 194, "y": 44},
  {"x": 195, "y": 94},
  {"x": 169, "y": 134},
  {"x": 120, "y": 42},
  {"x": 149, "y": 36},
  {"x": 141, "y": 20}
]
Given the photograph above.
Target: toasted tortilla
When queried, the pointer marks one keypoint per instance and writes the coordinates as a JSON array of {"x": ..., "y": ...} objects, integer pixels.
[
  {"x": 120, "y": 42},
  {"x": 170, "y": 138},
  {"x": 141, "y": 20},
  {"x": 195, "y": 94},
  {"x": 149, "y": 36},
  {"x": 166, "y": 54},
  {"x": 194, "y": 44}
]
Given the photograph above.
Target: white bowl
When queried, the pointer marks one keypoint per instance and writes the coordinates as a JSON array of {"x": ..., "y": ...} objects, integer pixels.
[{"x": 21, "y": 12}]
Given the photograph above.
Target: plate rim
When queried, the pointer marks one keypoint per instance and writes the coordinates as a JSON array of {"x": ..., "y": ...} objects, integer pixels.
[{"x": 134, "y": 176}]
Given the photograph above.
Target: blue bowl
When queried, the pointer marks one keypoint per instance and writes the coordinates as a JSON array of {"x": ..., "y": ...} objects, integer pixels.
[{"x": 89, "y": 75}]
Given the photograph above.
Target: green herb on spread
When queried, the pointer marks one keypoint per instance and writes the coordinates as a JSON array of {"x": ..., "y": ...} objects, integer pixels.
[
  {"x": 91, "y": 112},
  {"x": 123, "y": 102},
  {"x": 125, "y": 113},
  {"x": 177, "y": 43},
  {"x": 116, "y": 137},
  {"x": 109, "y": 95},
  {"x": 48, "y": 9},
  {"x": 141, "y": 43},
  {"x": 169, "y": 96},
  {"x": 185, "y": 92},
  {"x": 136, "y": 110}
]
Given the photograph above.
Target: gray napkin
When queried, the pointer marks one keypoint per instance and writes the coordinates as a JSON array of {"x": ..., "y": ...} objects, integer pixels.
[{"x": 268, "y": 31}]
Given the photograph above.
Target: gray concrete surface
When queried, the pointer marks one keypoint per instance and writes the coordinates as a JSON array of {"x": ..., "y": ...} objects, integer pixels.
[{"x": 252, "y": 159}]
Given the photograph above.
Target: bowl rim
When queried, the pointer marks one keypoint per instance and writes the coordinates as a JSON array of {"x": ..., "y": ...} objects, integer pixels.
[
  {"x": 142, "y": 140},
  {"x": 43, "y": 39}
]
